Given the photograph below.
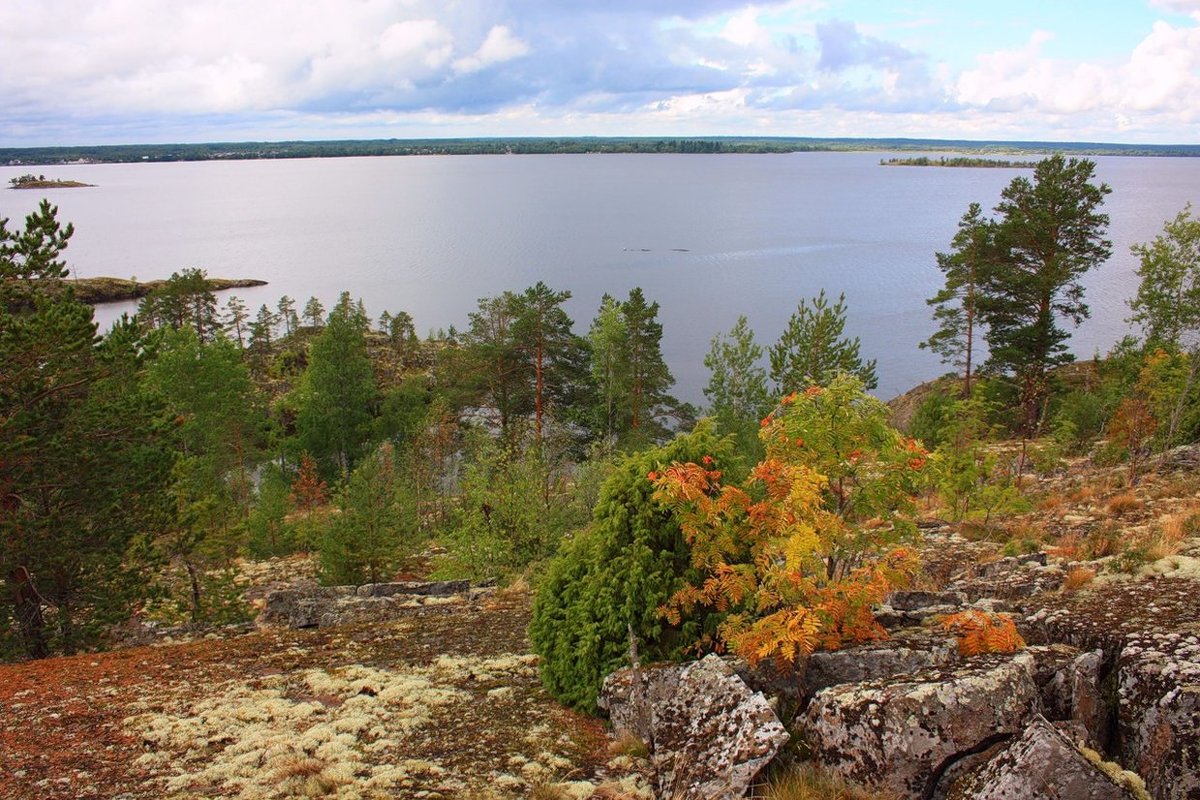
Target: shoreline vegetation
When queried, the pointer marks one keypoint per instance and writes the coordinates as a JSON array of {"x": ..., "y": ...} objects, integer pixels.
[
  {"x": 130, "y": 153},
  {"x": 96, "y": 291},
  {"x": 42, "y": 182},
  {"x": 956, "y": 161}
]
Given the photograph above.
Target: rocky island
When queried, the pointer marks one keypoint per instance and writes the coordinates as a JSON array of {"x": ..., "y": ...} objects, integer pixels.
[
  {"x": 42, "y": 182},
  {"x": 95, "y": 291}
]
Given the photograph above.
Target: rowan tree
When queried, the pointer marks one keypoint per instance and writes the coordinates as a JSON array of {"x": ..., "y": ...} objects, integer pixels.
[{"x": 797, "y": 556}]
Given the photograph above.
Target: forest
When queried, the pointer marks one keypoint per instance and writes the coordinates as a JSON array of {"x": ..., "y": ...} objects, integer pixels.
[
  {"x": 136, "y": 153},
  {"x": 140, "y": 466}
]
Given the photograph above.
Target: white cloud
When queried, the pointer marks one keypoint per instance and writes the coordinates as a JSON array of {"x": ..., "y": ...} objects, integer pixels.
[
  {"x": 499, "y": 46},
  {"x": 1161, "y": 77}
]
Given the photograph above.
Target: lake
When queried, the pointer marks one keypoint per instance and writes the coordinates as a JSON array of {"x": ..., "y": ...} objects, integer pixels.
[{"x": 708, "y": 237}]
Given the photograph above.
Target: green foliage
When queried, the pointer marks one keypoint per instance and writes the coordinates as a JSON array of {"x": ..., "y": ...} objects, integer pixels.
[
  {"x": 82, "y": 453},
  {"x": 376, "y": 527},
  {"x": 812, "y": 351},
  {"x": 737, "y": 387},
  {"x": 931, "y": 419},
  {"x": 968, "y": 472},
  {"x": 1049, "y": 233},
  {"x": 609, "y": 580},
  {"x": 515, "y": 504},
  {"x": 1167, "y": 304},
  {"x": 267, "y": 532}
]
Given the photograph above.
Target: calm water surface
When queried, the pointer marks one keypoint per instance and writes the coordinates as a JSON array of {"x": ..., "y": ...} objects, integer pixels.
[{"x": 708, "y": 237}]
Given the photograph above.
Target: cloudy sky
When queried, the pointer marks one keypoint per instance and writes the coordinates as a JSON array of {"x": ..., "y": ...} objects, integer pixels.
[{"x": 113, "y": 71}]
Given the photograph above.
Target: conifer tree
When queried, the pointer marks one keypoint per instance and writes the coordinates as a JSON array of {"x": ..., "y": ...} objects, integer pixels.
[
  {"x": 314, "y": 313},
  {"x": 1049, "y": 232},
  {"x": 235, "y": 319},
  {"x": 956, "y": 306},
  {"x": 812, "y": 350},
  {"x": 287, "y": 314},
  {"x": 337, "y": 394}
]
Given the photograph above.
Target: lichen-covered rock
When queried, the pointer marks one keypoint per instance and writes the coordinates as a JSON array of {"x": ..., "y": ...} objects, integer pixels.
[
  {"x": 1159, "y": 712},
  {"x": 905, "y": 653},
  {"x": 1053, "y": 673},
  {"x": 325, "y": 606},
  {"x": 918, "y": 600},
  {"x": 1043, "y": 764},
  {"x": 708, "y": 734},
  {"x": 901, "y": 734},
  {"x": 1011, "y": 578},
  {"x": 418, "y": 588},
  {"x": 1088, "y": 706}
]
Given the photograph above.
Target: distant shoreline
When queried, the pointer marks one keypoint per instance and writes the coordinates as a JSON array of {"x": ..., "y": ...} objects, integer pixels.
[
  {"x": 96, "y": 291},
  {"x": 715, "y": 145}
]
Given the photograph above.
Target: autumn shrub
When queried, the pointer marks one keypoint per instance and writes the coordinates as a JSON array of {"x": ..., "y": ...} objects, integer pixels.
[
  {"x": 608, "y": 580},
  {"x": 981, "y": 632},
  {"x": 796, "y": 556},
  {"x": 1078, "y": 578},
  {"x": 1123, "y": 503}
]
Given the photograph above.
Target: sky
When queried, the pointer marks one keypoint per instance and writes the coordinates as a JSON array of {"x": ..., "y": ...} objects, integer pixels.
[{"x": 76, "y": 72}]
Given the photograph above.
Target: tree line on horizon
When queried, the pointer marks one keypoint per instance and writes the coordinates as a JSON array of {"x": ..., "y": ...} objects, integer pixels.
[{"x": 136, "y": 467}]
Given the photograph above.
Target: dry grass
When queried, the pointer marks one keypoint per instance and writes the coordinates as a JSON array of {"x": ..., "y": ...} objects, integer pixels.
[
  {"x": 627, "y": 744},
  {"x": 806, "y": 782},
  {"x": 1052, "y": 502},
  {"x": 1078, "y": 578},
  {"x": 1123, "y": 503}
]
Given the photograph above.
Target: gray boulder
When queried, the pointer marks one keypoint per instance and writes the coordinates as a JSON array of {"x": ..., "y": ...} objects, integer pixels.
[
  {"x": 901, "y": 734},
  {"x": 708, "y": 734}
]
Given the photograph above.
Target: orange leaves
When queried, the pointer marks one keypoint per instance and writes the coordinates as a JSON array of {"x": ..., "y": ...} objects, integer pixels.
[{"x": 983, "y": 632}]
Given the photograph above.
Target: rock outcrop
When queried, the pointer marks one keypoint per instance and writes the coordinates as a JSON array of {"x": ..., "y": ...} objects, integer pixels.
[
  {"x": 1043, "y": 763},
  {"x": 901, "y": 734},
  {"x": 709, "y": 735}
]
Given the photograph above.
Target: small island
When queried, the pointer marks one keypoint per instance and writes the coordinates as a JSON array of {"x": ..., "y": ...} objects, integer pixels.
[
  {"x": 29, "y": 181},
  {"x": 95, "y": 291},
  {"x": 956, "y": 161}
]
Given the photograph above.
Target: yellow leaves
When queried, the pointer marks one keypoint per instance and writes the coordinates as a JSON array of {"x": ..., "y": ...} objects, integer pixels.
[{"x": 983, "y": 632}]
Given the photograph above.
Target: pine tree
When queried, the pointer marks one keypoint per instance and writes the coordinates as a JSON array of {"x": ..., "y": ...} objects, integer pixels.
[
  {"x": 235, "y": 319},
  {"x": 287, "y": 313},
  {"x": 647, "y": 378},
  {"x": 812, "y": 351},
  {"x": 82, "y": 462},
  {"x": 1049, "y": 233},
  {"x": 607, "y": 338},
  {"x": 314, "y": 313},
  {"x": 184, "y": 299},
  {"x": 555, "y": 356},
  {"x": 956, "y": 306}
]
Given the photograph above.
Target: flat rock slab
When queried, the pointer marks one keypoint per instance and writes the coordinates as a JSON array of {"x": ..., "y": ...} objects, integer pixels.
[
  {"x": 901, "y": 734},
  {"x": 708, "y": 734},
  {"x": 1043, "y": 764},
  {"x": 905, "y": 653}
]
